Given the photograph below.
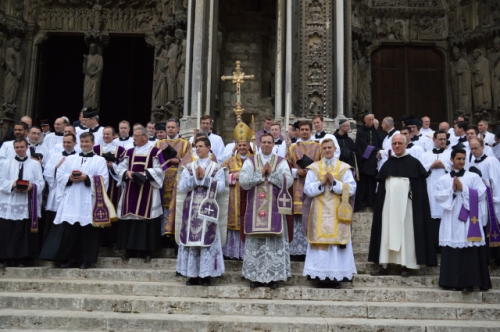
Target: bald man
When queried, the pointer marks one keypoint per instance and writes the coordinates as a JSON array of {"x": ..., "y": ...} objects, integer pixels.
[{"x": 57, "y": 136}]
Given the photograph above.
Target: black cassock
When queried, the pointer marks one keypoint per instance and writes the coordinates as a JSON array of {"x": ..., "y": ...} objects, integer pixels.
[
  {"x": 406, "y": 167},
  {"x": 365, "y": 192},
  {"x": 347, "y": 149}
]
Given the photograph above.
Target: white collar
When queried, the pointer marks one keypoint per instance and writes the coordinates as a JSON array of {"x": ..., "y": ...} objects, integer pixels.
[
  {"x": 171, "y": 139},
  {"x": 244, "y": 157},
  {"x": 404, "y": 154},
  {"x": 330, "y": 161}
]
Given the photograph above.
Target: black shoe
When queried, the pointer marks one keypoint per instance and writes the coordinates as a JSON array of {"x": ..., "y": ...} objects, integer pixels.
[
  {"x": 447, "y": 288},
  {"x": 84, "y": 266},
  {"x": 206, "y": 282},
  {"x": 126, "y": 257},
  {"x": 177, "y": 274},
  {"x": 193, "y": 282},
  {"x": 380, "y": 272},
  {"x": 483, "y": 289},
  {"x": 147, "y": 259},
  {"x": 273, "y": 285},
  {"x": 68, "y": 265},
  {"x": 4, "y": 264},
  {"x": 468, "y": 289},
  {"x": 495, "y": 264},
  {"x": 20, "y": 264},
  {"x": 256, "y": 284}
]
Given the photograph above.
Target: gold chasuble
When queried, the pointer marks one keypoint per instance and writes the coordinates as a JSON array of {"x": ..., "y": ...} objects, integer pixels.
[
  {"x": 234, "y": 165},
  {"x": 330, "y": 215},
  {"x": 311, "y": 149},
  {"x": 182, "y": 147}
]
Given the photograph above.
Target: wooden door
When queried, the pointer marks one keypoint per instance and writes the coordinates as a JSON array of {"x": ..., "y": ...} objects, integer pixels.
[{"x": 408, "y": 80}]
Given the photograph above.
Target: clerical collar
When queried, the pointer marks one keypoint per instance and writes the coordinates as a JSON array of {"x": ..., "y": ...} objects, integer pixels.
[
  {"x": 397, "y": 157},
  {"x": 266, "y": 157},
  {"x": 59, "y": 134},
  {"x": 265, "y": 131},
  {"x": 462, "y": 139},
  {"x": 480, "y": 159},
  {"x": 437, "y": 151},
  {"x": 82, "y": 127},
  {"x": 151, "y": 139},
  {"x": 294, "y": 140},
  {"x": 21, "y": 159},
  {"x": 278, "y": 142},
  {"x": 95, "y": 129},
  {"x": 106, "y": 144},
  {"x": 330, "y": 161},
  {"x": 244, "y": 156},
  {"x": 309, "y": 140},
  {"x": 171, "y": 139},
  {"x": 459, "y": 173},
  {"x": 320, "y": 135},
  {"x": 124, "y": 138},
  {"x": 409, "y": 146},
  {"x": 33, "y": 145},
  {"x": 87, "y": 154},
  {"x": 391, "y": 132},
  {"x": 64, "y": 153},
  {"x": 415, "y": 138}
]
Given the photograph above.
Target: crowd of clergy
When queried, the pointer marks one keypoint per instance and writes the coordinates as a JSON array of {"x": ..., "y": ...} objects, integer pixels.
[{"x": 287, "y": 194}]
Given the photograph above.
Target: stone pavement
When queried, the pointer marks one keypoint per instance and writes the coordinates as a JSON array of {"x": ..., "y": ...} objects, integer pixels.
[{"x": 138, "y": 296}]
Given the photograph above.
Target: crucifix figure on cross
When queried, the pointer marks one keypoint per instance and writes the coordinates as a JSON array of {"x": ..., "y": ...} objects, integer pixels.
[{"x": 238, "y": 78}]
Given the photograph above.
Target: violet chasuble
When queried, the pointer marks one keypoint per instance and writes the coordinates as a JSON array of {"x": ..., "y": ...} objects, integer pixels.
[{"x": 201, "y": 211}]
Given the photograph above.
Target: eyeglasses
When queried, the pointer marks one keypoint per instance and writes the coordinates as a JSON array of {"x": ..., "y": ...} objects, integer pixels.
[{"x": 137, "y": 136}]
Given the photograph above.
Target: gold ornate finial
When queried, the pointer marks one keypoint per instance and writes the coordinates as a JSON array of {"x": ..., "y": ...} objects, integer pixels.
[{"x": 238, "y": 78}]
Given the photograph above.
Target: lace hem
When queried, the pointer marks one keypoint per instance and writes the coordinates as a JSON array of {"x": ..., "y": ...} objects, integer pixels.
[
  {"x": 73, "y": 219},
  {"x": 323, "y": 274},
  {"x": 265, "y": 278},
  {"x": 461, "y": 245},
  {"x": 435, "y": 216},
  {"x": 14, "y": 211},
  {"x": 234, "y": 247}
]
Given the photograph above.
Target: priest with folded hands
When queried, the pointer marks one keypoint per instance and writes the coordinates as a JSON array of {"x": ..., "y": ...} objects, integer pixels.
[
  {"x": 461, "y": 236},
  {"x": 21, "y": 186},
  {"x": 142, "y": 172}
]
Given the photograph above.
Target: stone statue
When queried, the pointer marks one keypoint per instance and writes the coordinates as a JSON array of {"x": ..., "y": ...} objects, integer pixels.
[
  {"x": 461, "y": 83},
  {"x": 171, "y": 67},
  {"x": 414, "y": 28},
  {"x": 13, "y": 72},
  {"x": 315, "y": 49},
  {"x": 312, "y": 106},
  {"x": 315, "y": 76},
  {"x": 160, "y": 81},
  {"x": 495, "y": 73},
  {"x": 315, "y": 13},
  {"x": 181, "y": 62},
  {"x": 453, "y": 23},
  {"x": 482, "y": 84},
  {"x": 273, "y": 49},
  {"x": 92, "y": 68},
  {"x": 482, "y": 13},
  {"x": 365, "y": 82},
  {"x": 96, "y": 15}
]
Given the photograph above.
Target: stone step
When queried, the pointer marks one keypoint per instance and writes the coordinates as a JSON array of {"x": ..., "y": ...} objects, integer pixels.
[
  {"x": 159, "y": 275},
  {"x": 362, "y": 265},
  {"x": 249, "y": 307},
  {"x": 243, "y": 291},
  {"x": 110, "y": 321}
]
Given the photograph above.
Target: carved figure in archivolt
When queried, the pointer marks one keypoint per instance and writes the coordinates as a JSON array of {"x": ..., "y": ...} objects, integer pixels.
[
  {"x": 315, "y": 75},
  {"x": 481, "y": 81},
  {"x": 312, "y": 106},
  {"x": 365, "y": 82},
  {"x": 315, "y": 13},
  {"x": 453, "y": 22},
  {"x": 160, "y": 97},
  {"x": 461, "y": 83},
  {"x": 92, "y": 68},
  {"x": 482, "y": 13},
  {"x": 495, "y": 73},
  {"x": 96, "y": 15},
  {"x": 180, "y": 36},
  {"x": 13, "y": 71},
  {"x": 171, "y": 67},
  {"x": 466, "y": 15},
  {"x": 315, "y": 49}
]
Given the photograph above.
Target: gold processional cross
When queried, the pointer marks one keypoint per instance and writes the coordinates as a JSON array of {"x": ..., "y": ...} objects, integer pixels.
[{"x": 238, "y": 78}]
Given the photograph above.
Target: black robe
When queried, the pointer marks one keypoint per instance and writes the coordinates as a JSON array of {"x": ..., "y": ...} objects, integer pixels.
[
  {"x": 407, "y": 167},
  {"x": 347, "y": 149},
  {"x": 365, "y": 193}
]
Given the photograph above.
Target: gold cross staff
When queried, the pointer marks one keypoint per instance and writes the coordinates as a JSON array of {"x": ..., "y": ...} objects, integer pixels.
[{"x": 238, "y": 78}]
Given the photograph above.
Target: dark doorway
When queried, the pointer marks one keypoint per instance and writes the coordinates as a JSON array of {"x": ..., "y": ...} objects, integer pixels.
[
  {"x": 126, "y": 84},
  {"x": 408, "y": 80},
  {"x": 60, "y": 79}
]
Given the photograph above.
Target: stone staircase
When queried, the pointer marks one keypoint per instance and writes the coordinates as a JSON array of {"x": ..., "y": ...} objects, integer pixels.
[{"x": 138, "y": 296}]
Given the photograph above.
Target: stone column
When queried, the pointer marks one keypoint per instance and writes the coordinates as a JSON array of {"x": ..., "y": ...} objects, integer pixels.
[
  {"x": 280, "y": 52},
  {"x": 189, "y": 56},
  {"x": 339, "y": 31},
  {"x": 198, "y": 55},
  {"x": 288, "y": 80}
]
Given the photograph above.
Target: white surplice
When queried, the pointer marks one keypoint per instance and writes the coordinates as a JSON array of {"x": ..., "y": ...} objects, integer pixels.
[
  {"x": 334, "y": 263},
  {"x": 76, "y": 201},
  {"x": 7, "y": 152},
  {"x": 387, "y": 142},
  {"x": 453, "y": 232},
  {"x": 123, "y": 142},
  {"x": 428, "y": 159},
  {"x": 490, "y": 170},
  {"x": 52, "y": 139},
  {"x": 49, "y": 173},
  {"x": 216, "y": 145},
  {"x": 14, "y": 204}
]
